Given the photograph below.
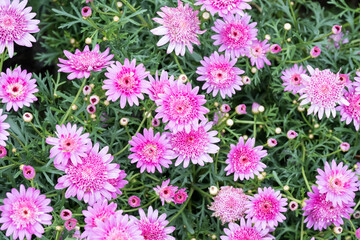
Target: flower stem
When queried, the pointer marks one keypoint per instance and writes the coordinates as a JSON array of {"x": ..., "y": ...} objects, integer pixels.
[
  {"x": 339, "y": 150},
  {"x": 201, "y": 191},
  {"x": 302, "y": 228},
  {"x": 254, "y": 132},
  {"x": 36, "y": 130},
  {"x": 301, "y": 60},
  {"x": 184, "y": 206},
  {"x": 352, "y": 225},
  {"x": 293, "y": 15},
  {"x": 23, "y": 146},
  {"x": 177, "y": 62},
  {"x": 248, "y": 122},
  {"x": 152, "y": 177},
  {"x": 302, "y": 166},
  {"x": 2, "y": 59},
  {"x": 134, "y": 11},
  {"x": 308, "y": 123},
  {"x": 7, "y": 166}
]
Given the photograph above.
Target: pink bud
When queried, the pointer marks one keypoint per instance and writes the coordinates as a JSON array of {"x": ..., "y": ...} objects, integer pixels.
[
  {"x": 225, "y": 108},
  {"x": 336, "y": 29},
  {"x": 275, "y": 48},
  {"x": 66, "y": 214},
  {"x": 3, "y": 151},
  {"x": 293, "y": 205},
  {"x": 155, "y": 122},
  {"x": 94, "y": 99},
  {"x": 91, "y": 109},
  {"x": 134, "y": 201},
  {"x": 255, "y": 108},
  {"x": 180, "y": 196},
  {"x": 29, "y": 172},
  {"x": 271, "y": 142},
  {"x": 70, "y": 224},
  {"x": 240, "y": 109},
  {"x": 291, "y": 134},
  {"x": 315, "y": 52},
  {"x": 86, "y": 12},
  {"x": 344, "y": 146},
  {"x": 87, "y": 90}
]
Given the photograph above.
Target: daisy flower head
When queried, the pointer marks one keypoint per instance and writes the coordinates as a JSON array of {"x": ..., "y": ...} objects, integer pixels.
[
  {"x": 245, "y": 230},
  {"x": 181, "y": 107},
  {"x": 17, "y": 24},
  {"x": 180, "y": 27},
  {"x": 166, "y": 192},
  {"x": 89, "y": 180},
  {"x": 150, "y": 151},
  {"x": 69, "y": 144},
  {"x": 356, "y": 84},
  {"x": 126, "y": 82},
  {"x": 220, "y": 75},
  {"x": 194, "y": 146},
  {"x": 153, "y": 226},
  {"x": 350, "y": 113},
  {"x": 292, "y": 78},
  {"x": 257, "y": 53},
  {"x": 158, "y": 85},
  {"x": 229, "y": 204},
  {"x": 265, "y": 208},
  {"x": 81, "y": 63},
  {"x": 17, "y": 89},
  {"x": 338, "y": 183},
  {"x": 180, "y": 196},
  {"x": 234, "y": 34},
  {"x": 3, "y": 133},
  {"x": 118, "y": 183},
  {"x": 321, "y": 213},
  {"x": 244, "y": 160},
  {"x": 24, "y": 212},
  {"x": 323, "y": 91},
  {"x": 224, "y": 7}
]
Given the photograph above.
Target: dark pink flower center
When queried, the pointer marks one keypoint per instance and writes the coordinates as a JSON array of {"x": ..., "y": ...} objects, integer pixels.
[
  {"x": 296, "y": 79},
  {"x": 236, "y": 35},
  {"x": 221, "y": 75},
  {"x": 24, "y": 212}
]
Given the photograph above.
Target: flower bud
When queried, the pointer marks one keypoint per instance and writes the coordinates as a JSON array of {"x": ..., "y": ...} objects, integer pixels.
[
  {"x": 293, "y": 205},
  {"x": 260, "y": 177},
  {"x": 240, "y": 109},
  {"x": 124, "y": 121},
  {"x": 119, "y": 4},
  {"x": 28, "y": 117},
  {"x": 356, "y": 215},
  {"x": 255, "y": 108},
  {"x": 94, "y": 99},
  {"x": 344, "y": 146},
  {"x": 3, "y": 151},
  {"x": 72, "y": 40},
  {"x": 73, "y": 107},
  {"x": 66, "y": 214},
  {"x": 300, "y": 108},
  {"x": 253, "y": 70},
  {"x": 155, "y": 122},
  {"x": 271, "y": 142},
  {"x": 316, "y": 125},
  {"x": 315, "y": 52},
  {"x": 229, "y": 122},
  {"x": 91, "y": 109},
  {"x": 291, "y": 134},
  {"x": 245, "y": 137},
  {"x": 206, "y": 15},
  {"x": 337, "y": 230},
  {"x": 275, "y": 48},
  {"x": 216, "y": 104},
  {"x": 213, "y": 190},
  {"x": 286, "y": 188},
  {"x": 106, "y": 103},
  {"x": 86, "y": 12},
  {"x": 13, "y": 150},
  {"x": 88, "y": 41},
  {"x": 287, "y": 26},
  {"x": 28, "y": 172},
  {"x": 246, "y": 80},
  {"x": 92, "y": 85},
  {"x": 277, "y": 130},
  {"x": 116, "y": 18},
  {"x": 261, "y": 108},
  {"x": 70, "y": 224},
  {"x": 213, "y": 237},
  {"x": 268, "y": 37},
  {"x": 225, "y": 108},
  {"x": 183, "y": 78},
  {"x": 336, "y": 29}
]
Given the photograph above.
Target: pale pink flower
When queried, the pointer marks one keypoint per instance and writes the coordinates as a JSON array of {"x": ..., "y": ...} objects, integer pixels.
[
  {"x": 265, "y": 208},
  {"x": 158, "y": 85},
  {"x": 126, "y": 82},
  {"x": 275, "y": 48},
  {"x": 224, "y": 7},
  {"x": 87, "y": 90},
  {"x": 94, "y": 99},
  {"x": 220, "y": 75},
  {"x": 81, "y": 64},
  {"x": 356, "y": 84},
  {"x": 134, "y": 201},
  {"x": 240, "y": 109},
  {"x": 69, "y": 144},
  {"x": 234, "y": 34},
  {"x": 344, "y": 146},
  {"x": 194, "y": 146},
  {"x": 357, "y": 233},
  {"x": 321, "y": 213},
  {"x": 24, "y": 213},
  {"x": 257, "y": 53},
  {"x": 323, "y": 91},
  {"x": 293, "y": 205},
  {"x": 229, "y": 204},
  {"x": 89, "y": 180},
  {"x": 181, "y": 107},
  {"x": 315, "y": 52},
  {"x": 271, "y": 142},
  {"x": 292, "y": 78},
  {"x": 255, "y": 108},
  {"x": 118, "y": 183},
  {"x": 91, "y": 109},
  {"x": 3, "y": 126},
  {"x": 351, "y": 112},
  {"x": 244, "y": 160},
  {"x": 17, "y": 24},
  {"x": 336, "y": 29},
  {"x": 166, "y": 192},
  {"x": 180, "y": 196},
  {"x": 70, "y": 224},
  {"x": 225, "y": 108},
  {"x": 3, "y": 151},
  {"x": 29, "y": 172},
  {"x": 245, "y": 231},
  {"x": 291, "y": 134},
  {"x": 66, "y": 214},
  {"x": 180, "y": 26},
  {"x": 17, "y": 89},
  {"x": 86, "y": 12},
  {"x": 153, "y": 226}
]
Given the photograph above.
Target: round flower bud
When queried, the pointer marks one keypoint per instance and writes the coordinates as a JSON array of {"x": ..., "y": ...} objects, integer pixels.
[
  {"x": 356, "y": 215},
  {"x": 261, "y": 108},
  {"x": 260, "y": 177},
  {"x": 348, "y": 238},
  {"x": 3, "y": 151},
  {"x": 245, "y": 137},
  {"x": 105, "y": 39},
  {"x": 21, "y": 167},
  {"x": 155, "y": 122},
  {"x": 193, "y": 239},
  {"x": 88, "y": 41},
  {"x": 316, "y": 125},
  {"x": 288, "y": 40},
  {"x": 268, "y": 37},
  {"x": 294, "y": 101},
  {"x": 271, "y": 142},
  {"x": 225, "y": 108},
  {"x": 277, "y": 130},
  {"x": 213, "y": 236},
  {"x": 227, "y": 115},
  {"x": 213, "y": 190},
  {"x": 229, "y": 122},
  {"x": 303, "y": 203},
  {"x": 74, "y": 107},
  {"x": 249, "y": 191},
  {"x": 255, "y": 108},
  {"x": 246, "y": 80},
  {"x": 119, "y": 4},
  {"x": 356, "y": 166},
  {"x": 66, "y": 214},
  {"x": 58, "y": 228},
  {"x": 300, "y": 108},
  {"x": 183, "y": 78},
  {"x": 337, "y": 230},
  {"x": 315, "y": 52},
  {"x": 28, "y": 172},
  {"x": 311, "y": 136},
  {"x": 293, "y": 205},
  {"x": 124, "y": 121},
  {"x": 106, "y": 103},
  {"x": 70, "y": 224},
  {"x": 28, "y": 117},
  {"x": 86, "y": 12},
  {"x": 93, "y": 116},
  {"x": 216, "y": 104},
  {"x": 264, "y": 174},
  {"x": 275, "y": 48},
  {"x": 291, "y": 134},
  {"x": 91, "y": 109},
  {"x": 148, "y": 114},
  {"x": 92, "y": 85},
  {"x": 240, "y": 109},
  {"x": 287, "y": 26},
  {"x": 116, "y": 18},
  {"x": 336, "y": 29},
  {"x": 344, "y": 146},
  {"x": 94, "y": 99},
  {"x": 223, "y": 131},
  {"x": 292, "y": 3},
  {"x": 253, "y": 70},
  {"x": 13, "y": 150},
  {"x": 72, "y": 40},
  {"x": 206, "y": 15},
  {"x": 286, "y": 188}
]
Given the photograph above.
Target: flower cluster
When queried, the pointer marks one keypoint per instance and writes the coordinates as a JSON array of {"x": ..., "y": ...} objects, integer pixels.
[{"x": 169, "y": 193}]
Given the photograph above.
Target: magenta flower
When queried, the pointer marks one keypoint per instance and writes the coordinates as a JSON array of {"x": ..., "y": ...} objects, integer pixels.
[
  {"x": 265, "y": 208},
  {"x": 350, "y": 113},
  {"x": 240, "y": 109},
  {"x": 338, "y": 183},
  {"x": 28, "y": 172},
  {"x": 166, "y": 192},
  {"x": 235, "y": 34},
  {"x": 322, "y": 90},
  {"x": 3, "y": 127},
  {"x": 66, "y": 214},
  {"x": 70, "y": 144},
  {"x": 180, "y": 196},
  {"x": 180, "y": 107},
  {"x": 99, "y": 212},
  {"x": 89, "y": 180},
  {"x": 315, "y": 52},
  {"x": 320, "y": 213},
  {"x": 24, "y": 213},
  {"x": 81, "y": 64},
  {"x": 244, "y": 159},
  {"x": 158, "y": 85},
  {"x": 245, "y": 231},
  {"x": 94, "y": 99},
  {"x": 134, "y": 201},
  {"x": 275, "y": 48},
  {"x": 126, "y": 82},
  {"x": 153, "y": 226},
  {"x": 271, "y": 142},
  {"x": 86, "y": 12},
  {"x": 356, "y": 84},
  {"x": 70, "y": 224},
  {"x": 155, "y": 122},
  {"x": 293, "y": 205},
  {"x": 17, "y": 24},
  {"x": 344, "y": 146},
  {"x": 17, "y": 89},
  {"x": 229, "y": 204},
  {"x": 336, "y": 29},
  {"x": 180, "y": 26},
  {"x": 292, "y": 78},
  {"x": 257, "y": 53},
  {"x": 194, "y": 146},
  {"x": 224, "y": 7},
  {"x": 291, "y": 134},
  {"x": 220, "y": 75},
  {"x": 3, "y": 151},
  {"x": 118, "y": 183},
  {"x": 91, "y": 109},
  {"x": 357, "y": 233}
]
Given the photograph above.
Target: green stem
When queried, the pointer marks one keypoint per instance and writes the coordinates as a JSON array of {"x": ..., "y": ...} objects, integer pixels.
[
  {"x": 254, "y": 132},
  {"x": 184, "y": 205},
  {"x": 302, "y": 228},
  {"x": 7, "y": 166},
  {"x": 2, "y": 59},
  {"x": 58, "y": 234},
  {"x": 301, "y": 60},
  {"x": 51, "y": 195},
  {"x": 307, "y": 122},
  {"x": 36, "y": 130},
  {"x": 352, "y": 225},
  {"x": 291, "y": 198},
  {"x": 132, "y": 189},
  {"x": 339, "y": 150},
  {"x": 248, "y": 122},
  {"x": 302, "y": 166},
  {"x": 293, "y": 15},
  {"x": 98, "y": 11},
  {"x": 134, "y": 11},
  {"x": 177, "y": 62},
  {"x": 201, "y": 191},
  {"x": 74, "y": 101},
  {"x": 357, "y": 205},
  {"x": 146, "y": 205},
  {"x": 152, "y": 177}
]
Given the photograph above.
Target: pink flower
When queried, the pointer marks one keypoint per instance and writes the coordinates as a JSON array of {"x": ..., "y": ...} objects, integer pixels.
[
  {"x": 244, "y": 159},
  {"x": 336, "y": 29},
  {"x": 351, "y": 112},
  {"x": 220, "y": 75},
  {"x": 180, "y": 107},
  {"x": 89, "y": 180},
  {"x": 17, "y": 88},
  {"x": 257, "y": 53},
  {"x": 315, "y": 52},
  {"x": 292, "y": 78},
  {"x": 229, "y": 204},
  {"x": 134, "y": 201},
  {"x": 320, "y": 213},
  {"x": 3, "y": 127},
  {"x": 24, "y": 212},
  {"x": 356, "y": 84},
  {"x": 181, "y": 196},
  {"x": 235, "y": 34},
  {"x": 322, "y": 90},
  {"x": 126, "y": 82},
  {"x": 271, "y": 142},
  {"x": 245, "y": 231},
  {"x": 223, "y": 7},
  {"x": 240, "y": 109},
  {"x": 225, "y": 108},
  {"x": 81, "y": 64},
  {"x": 87, "y": 90},
  {"x": 194, "y": 146},
  {"x": 265, "y": 208},
  {"x": 291, "y": 134},
  {"x": 66, "y": 214},
  {"x": 99, "y": 212},
  {"x": 86, "y": 12},
  {"x": 157, "y": 86},
  {"x": 17, "y": 24},
  {"x": 255, "y": 108},
  {"x": 338, "y": 183},
  {"x": 344, "y": 146},
  {"x": 275, "y": 48},
  {"x": 357, "y": 233},
  {"x": 166, "y": 191},
  {"x": 153, "y": 226},
  {"x": 293, "y": 205},
  {"x": 150, "y": 151},
  {"x": 155, "y": 122},
  {"x": 91, "y": 109},
  {"x": 117, "y": 226},
  {"x": 180, "y": 26},
  {"x": 70, "y": 224},
  {"x": 70, "y": 144},
  {"x": 94, "y": 99},
  {"x": 3, "y": 151},
  {"x": 118, "y": 183},
  {"x": 28, "y": 172}
]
